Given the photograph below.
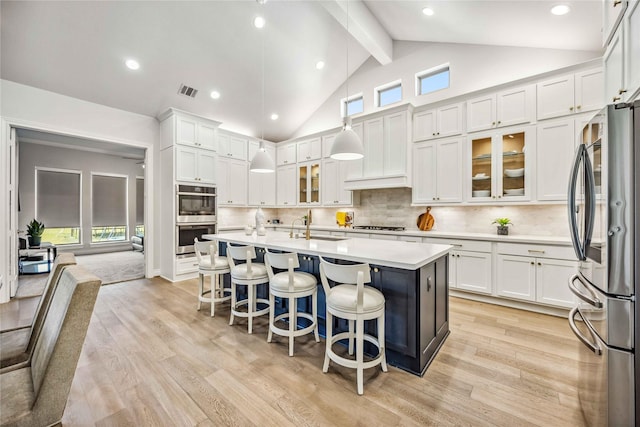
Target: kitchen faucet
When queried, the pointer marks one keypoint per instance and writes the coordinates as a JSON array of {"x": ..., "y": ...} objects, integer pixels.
[
  {"x": 307, "y": 234},
  {"x": 292, "y": 224}
]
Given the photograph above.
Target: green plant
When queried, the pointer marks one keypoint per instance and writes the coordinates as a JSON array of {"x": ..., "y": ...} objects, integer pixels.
[
  {"x": 35, "y": 228},
  {"x": 502, "y": 222}
]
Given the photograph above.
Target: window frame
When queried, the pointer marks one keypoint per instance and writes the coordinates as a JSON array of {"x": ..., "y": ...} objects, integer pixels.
[
  {"x": 349, "y": 99},
  {"x": 377, "y": 91},
  {"x": 431, "y": 72},
  {"x": 127, "y": 233},
  {"x": 35, "y": 204}
]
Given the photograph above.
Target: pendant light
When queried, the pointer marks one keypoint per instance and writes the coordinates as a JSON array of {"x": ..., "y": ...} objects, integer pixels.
[
  {"x": 347, "y": 145},
  {"x": 262, "y": 161}
]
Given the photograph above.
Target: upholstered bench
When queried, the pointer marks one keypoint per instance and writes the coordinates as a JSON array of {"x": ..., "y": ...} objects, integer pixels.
[{"x": 36, "y": 394}]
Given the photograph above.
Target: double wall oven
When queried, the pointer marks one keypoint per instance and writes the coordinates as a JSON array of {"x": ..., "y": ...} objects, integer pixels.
[{"x": 196, "y": 210}]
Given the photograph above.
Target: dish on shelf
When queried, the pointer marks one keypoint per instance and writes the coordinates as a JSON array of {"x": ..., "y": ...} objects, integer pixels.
[
  {"x": 511, "y": 153},
  {"x": 514, "y": 173},
  {"x": 482, "y": 156},
  {"x": 514, "y": 192},
  {"x": 480, "y": 177},
  {"x": 481, "y": 193}
]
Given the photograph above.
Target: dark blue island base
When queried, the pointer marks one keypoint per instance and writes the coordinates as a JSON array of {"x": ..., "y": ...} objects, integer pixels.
[{"x": 416, "y": 311}]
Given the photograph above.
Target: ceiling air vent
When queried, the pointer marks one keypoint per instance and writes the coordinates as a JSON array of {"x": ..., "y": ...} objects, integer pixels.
[{"x": 187, "y": 91}]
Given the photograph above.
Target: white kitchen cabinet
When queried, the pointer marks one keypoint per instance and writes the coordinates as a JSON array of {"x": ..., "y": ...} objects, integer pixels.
[
  {"x": 470, "y": 271},
  {"x": 356, "y": 167},
  {"x": 570, "y": 94},
  {"x": 613, "y": 61},
  {"x": 310, "y": 149},
  {"x": 286, "y": 154},
  {"x": 556, "y": 142},
  {"x": 309, "y": 183},
  {"x": 535, "y": 273},
  {"x": 286, "y": 185},
  {"x": 437, "y": 171},
  {"x": 232, "y": 185},
  {"x": 508, "y": 107},
  {"x": 373, "y": 147},
  {"x": 195, "y": 165},
  {"x": 334, "y": 174},
  {"x": 395, "y": 144},
  {"x": 612, "y": 12},
  {"x": 498, "y": 168},
  {"x": 261, "y": 189},
  {"x": 327, "y": 144},
  {"x": 632, "y": 50},
  {"x": 232, "y": 146},
  {"x": 437, "y": 123},
  {"x": 196, "y": 133}
]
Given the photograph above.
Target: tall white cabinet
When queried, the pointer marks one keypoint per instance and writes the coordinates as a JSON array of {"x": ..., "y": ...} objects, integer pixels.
[{"x": 437, "y": 176}]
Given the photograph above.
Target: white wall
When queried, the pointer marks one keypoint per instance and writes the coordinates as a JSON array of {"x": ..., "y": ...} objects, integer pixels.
[
  {"x": 45, "y": 156},
  {"x": 30, "y": 107},
  {"x": 473, "y": 68}
]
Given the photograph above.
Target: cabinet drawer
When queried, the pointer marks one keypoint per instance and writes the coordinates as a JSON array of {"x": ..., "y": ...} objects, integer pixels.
[
  {"x": 538, "y": 251},
  {"x": 461, "y": 245},
  {"x": 186, "y": 265}
]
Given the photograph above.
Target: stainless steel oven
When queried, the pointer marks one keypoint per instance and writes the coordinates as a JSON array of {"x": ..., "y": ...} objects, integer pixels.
[
  {"x": 195, "y": 203},
  {"x": 185, "y": 233}
]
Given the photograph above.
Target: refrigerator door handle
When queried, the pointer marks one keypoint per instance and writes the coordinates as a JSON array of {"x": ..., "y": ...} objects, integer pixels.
[
  {"x": 571, "y": 205},
  {"x": 591, "y": 345},
  {"x": 589, "y": 201},
  {"x": 592, "y": 299}
]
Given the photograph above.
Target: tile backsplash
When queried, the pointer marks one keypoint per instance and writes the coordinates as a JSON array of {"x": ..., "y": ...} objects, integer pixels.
[{"x": 392, "y": 207}]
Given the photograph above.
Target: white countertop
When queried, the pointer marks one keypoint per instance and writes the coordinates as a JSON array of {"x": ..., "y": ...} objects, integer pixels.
[
  {"x": 512, "y": 238},
  {"x": 398, "y": 254}
]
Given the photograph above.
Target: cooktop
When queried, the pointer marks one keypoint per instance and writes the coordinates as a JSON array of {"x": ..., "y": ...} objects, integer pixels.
[{"x": 377, "y": 227}]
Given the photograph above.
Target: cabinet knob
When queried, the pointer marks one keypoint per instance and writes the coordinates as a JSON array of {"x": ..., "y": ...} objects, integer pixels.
[
  {"x": 376, "y": 269},
  {"x": 539, "y": 263},
  {"x": 493, "y": 123},
  {"x": 621, "y": 91},
  {"x": 570, "y": 108},
  {"x": 438, "y": 133},
  {"x": 578, "y": 107},
  {"x": 533, "y": 263},
  {"x": 434, "y": 134},
  {"x": 499, "y": 122}
]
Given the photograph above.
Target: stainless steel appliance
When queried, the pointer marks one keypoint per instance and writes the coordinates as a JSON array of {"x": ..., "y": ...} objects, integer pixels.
[
  {"x": 604, "y": 204},
  {"x": 185, "y": 233},
  {"x": 195, "y": 203}
]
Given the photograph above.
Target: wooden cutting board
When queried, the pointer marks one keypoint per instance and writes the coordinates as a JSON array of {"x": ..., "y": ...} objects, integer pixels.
[{"x": 425, "y": 220}]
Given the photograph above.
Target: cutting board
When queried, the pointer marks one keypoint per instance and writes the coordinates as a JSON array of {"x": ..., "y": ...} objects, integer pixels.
[{"x": 425, "y": 220}]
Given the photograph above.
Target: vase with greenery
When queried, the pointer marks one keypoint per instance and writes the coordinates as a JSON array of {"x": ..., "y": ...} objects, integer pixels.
[
  {"x": 34, "y": 231},
  {"x": 503, "y": 224}
]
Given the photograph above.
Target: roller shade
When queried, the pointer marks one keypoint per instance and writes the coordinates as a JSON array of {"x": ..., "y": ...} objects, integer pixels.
[
  {"x": 108, "y": 200},
  {"x": 139, "y": 201},
  {"x": 58, "y": 198}
]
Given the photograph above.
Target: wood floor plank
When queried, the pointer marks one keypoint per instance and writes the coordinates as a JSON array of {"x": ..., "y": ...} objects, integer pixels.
[{"x": 150, "y": 358}]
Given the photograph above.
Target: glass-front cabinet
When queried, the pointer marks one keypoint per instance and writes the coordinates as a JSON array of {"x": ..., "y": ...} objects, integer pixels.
[
  {"x": 309, "y": 183},
  {"x": 498, "y": 165}
]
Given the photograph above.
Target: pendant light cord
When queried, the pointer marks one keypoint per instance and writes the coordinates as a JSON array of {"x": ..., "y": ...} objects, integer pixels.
[
  {"x": 346, "y": 102},
  {"x": 262, "y": 119}
]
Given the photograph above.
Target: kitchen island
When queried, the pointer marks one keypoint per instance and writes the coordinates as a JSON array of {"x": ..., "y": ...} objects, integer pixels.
[{"x": 412, "y": 276}]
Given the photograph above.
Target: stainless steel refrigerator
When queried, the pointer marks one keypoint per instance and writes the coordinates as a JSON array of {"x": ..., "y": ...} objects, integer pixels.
[{"x": 603, "y": 208}]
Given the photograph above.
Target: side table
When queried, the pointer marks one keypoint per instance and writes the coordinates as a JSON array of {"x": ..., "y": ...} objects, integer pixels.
[{"x": 37, "y": 259}]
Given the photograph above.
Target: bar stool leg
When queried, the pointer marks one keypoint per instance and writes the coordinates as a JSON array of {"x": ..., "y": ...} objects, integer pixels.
[
  {"x": 200, "y": 289},
  {"x": 351, "y": 336},
  {"x": 233, "y": 300},
  {"x": 329, "y": 338},
  {"x": 293, "y": 306},
  {"x": 272, "y": 316},
  {"x": 314, "y": 310},
  {"x": 360, "y": 353},
  {"x": 251, "y": 305},
  {"x": 214, "y": 290},
  {"x": 381, "y": 341}
]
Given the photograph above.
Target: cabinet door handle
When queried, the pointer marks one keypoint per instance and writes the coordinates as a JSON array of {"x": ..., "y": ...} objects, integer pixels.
[
  {"x": 617, "y": 2},
  {"x": 621, "y": 91},
  {"x": 616, "y": 98},
  {"x": 535, "y": 251},
  {"x": 429, "y": 281}
]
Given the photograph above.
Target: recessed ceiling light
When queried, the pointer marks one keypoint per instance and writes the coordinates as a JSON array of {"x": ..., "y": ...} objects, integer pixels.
[
  {"x": 561, "y": 9},
  {"x": 274, "y": 116},
  {"x": 427, "y": 11},
  {"x": 320, "y": 65},
  {"x": 132, "y": 64},
  {"x": 215, "y": 94},
  {"x": 259, "y": 22}
]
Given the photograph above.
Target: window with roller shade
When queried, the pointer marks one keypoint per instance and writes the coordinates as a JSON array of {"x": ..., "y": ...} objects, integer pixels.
[
  {"x": 140, "y": 206},
  {"x": 58, "y": 195},
  {"x": 108, "y": 208}
]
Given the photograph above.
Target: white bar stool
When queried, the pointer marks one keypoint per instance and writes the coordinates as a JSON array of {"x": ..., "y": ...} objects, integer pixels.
[
  {"x": 210, "y": 264},
  {"x": 291, "y": 285},
  {"x": 250, "y": 274},
  {"x": 354, "y": 303}
]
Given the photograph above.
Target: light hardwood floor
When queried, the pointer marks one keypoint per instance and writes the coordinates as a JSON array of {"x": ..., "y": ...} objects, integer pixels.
[{"x": 151, "y": 359}]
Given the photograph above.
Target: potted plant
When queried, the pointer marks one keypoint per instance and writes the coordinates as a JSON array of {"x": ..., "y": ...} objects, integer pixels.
[
  {"x": 34, "y": 231},
  {"x": 503, "y": 230}
]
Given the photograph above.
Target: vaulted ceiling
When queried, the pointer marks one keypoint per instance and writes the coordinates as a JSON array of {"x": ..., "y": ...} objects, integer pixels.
[{"x": 78, "y": 48}]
